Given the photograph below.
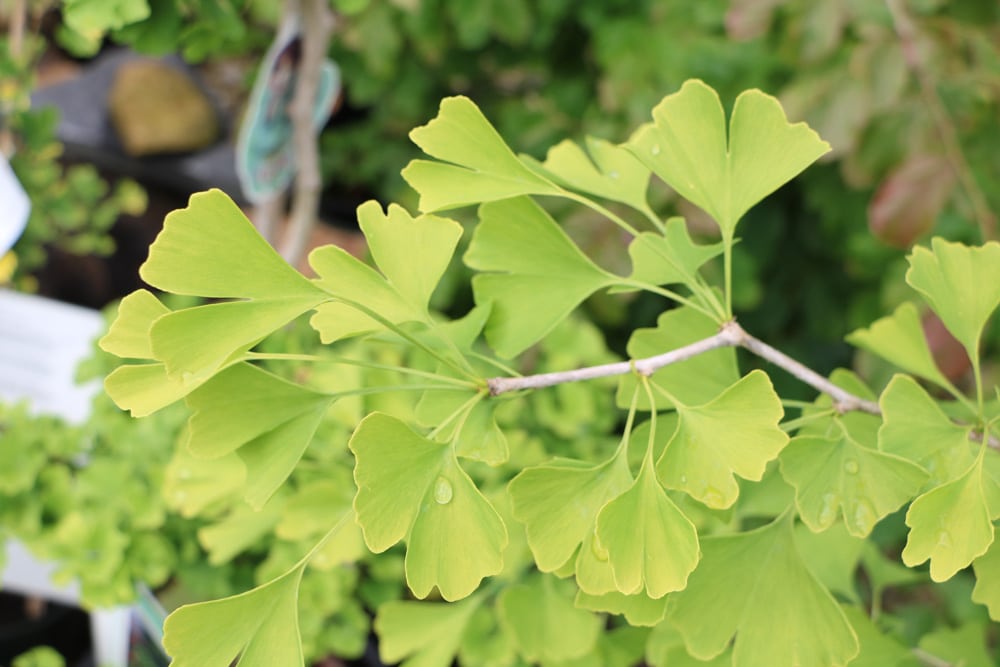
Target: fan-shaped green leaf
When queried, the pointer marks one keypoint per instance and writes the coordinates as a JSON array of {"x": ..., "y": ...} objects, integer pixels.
[
  {"x": 198, "y": 342},
  {"x": 899, "y": 338},
  {"x": 736, "y": 433},
  {"x": 671, "y": 257},
  {"x": 211, "y": 249},
  {"x": 962, "y": 284},
  {"x": 260, "y": 627},
  {"x": 694, "y": 381},
  {"x": 638, "y": 609},
  {"x": 457, "y": 537},
  {"x": 142, "y": 389},
  {"x": 544, "y": 622},
  {"x": 833, "y": 557},
  {"x": 877, "y": 649},
  {"x": 244, "y": 402},
  {"x": 950, "y": 525},
  {"x": 423, "y": 634},
  {"x": 754, "y": 586},
  {"x": 652, "y": 546},
  {"x": 605, "y": 170},
  {"x": 987, "y": 590},
  {"x": 539, "y": 276},
  {"x": 558, "y": 504},
  {"x": 412, "y": 253},
  {"x": 411, "y": 486},
  {"x": 838, "y": 476},
  {"x": 483, "y": 168},
  {"x": 198, "y": 487},
  {"x": 915, "y": 428},
  {"x": 346, "y": 277},
  {"x": 686, "y": 146},
  {"x": 128, "y": 335}
]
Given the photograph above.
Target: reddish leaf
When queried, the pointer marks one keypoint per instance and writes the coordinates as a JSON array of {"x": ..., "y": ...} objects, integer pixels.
[
  {"x": 948, "y": 353},
  {"x": 909, "y": 200}
]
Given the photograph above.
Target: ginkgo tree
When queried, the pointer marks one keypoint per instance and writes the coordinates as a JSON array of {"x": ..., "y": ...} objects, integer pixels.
[{"x": 724, "y": 526}]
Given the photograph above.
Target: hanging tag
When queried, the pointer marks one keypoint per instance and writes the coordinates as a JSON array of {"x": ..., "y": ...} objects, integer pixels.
[
  {"x": 14, "y": 207},
  {"x": 265, "y": 154}
]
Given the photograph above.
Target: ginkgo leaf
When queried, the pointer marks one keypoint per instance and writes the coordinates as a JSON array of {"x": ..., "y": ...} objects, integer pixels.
[
  {"x": 346, "y": 277},
  {"x": 142, "y": 389},
  {"x": 833, "y": 557},
  {"x": 962, "y": 285},
  {"x": 665, "y": 648},
  {"x": 755, "y": 586},
  {"x": 395, "y": 239},
  {"x": 211, "y": 249},
  {"x": 423, "y": 634},
  {"x": 239, "y": 530},
  {"x": 837, "y": 476},
  {"x": 260, "y": 627},
  {"x": 671, "y": 257},
  {"x": 269, "y": 421},
  {"x": 538, "y": 276},
  {"x": 544, "y": 622},
  {"x": 482, "y": 167},
  {"x": 736, "y": 433},
  {"x": 916, "y": 428},
  {"x": 480, "y": 438},
  {"x": 950, "y": 524},
  {"x": 686, "y": 146},
  {"x": 638, "y": 609},
  {"x": 457, "y": 538},
  {"x": 652, "y": 546},
  {"x": 987, "y": 590},
  {"x": 877, "y": 648},
  {"x": 411, "y": 486},
  {"x": 128, "y": 335},
  {"x": 558, "y": 504},
  {"x": 605, "y": 170},
  {"x": 899, "y": 338},
  {"x": 197, "y": 487},
  {"x": 693, "y": 381},
  {"x": 244, "y": 402},
  {"x": 198, "y": 342}
]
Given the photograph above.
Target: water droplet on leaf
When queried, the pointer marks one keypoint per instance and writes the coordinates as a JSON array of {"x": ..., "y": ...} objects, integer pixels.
[
  {"x": 684, "y": 479},
  {"x": 442, "y": 491},
  {"x": 614, "y": 174},
  {"x": 655, "y": 150},
  {"x": 851, "y": 466}
]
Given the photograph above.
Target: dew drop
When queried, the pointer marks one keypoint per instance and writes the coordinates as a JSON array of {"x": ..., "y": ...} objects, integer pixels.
[
  {"x": 684, "y": 479},
  {"x": 851, "y": 466},
  {"x": 614, "y": 174},
  {"x": 655, "y": 150},
  {"x": 442, "y": 491},
  {"x": 828, "y": 511}
]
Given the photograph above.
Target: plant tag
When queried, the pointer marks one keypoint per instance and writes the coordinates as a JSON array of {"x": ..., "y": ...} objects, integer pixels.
[
  {"x": 15, "y": 206},
  {"x": 265, "y": 153},
  {"x": 41, "y": 343}
]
